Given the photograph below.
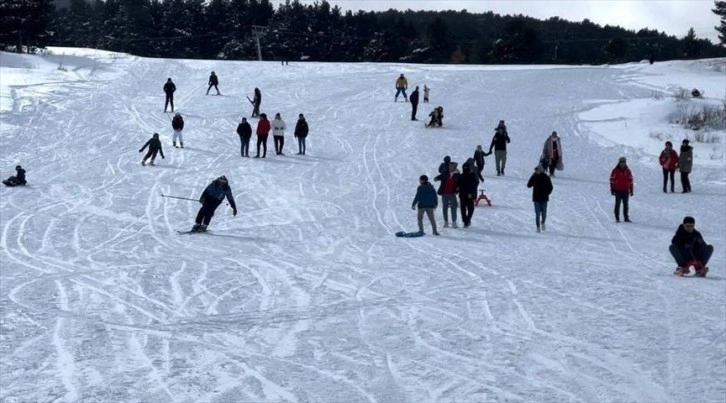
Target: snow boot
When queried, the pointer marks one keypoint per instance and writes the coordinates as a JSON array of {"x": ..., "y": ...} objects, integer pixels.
[
  {"x": 681, "y": 271},
  {"x": 203, "y": 228},
  {"x": 453, "y": 225},
  {"x": 173, "y": 143},
  {"x": 544, "y": 227},
  {"x": 181, "y": 144},
  {"x": 446, "y": 224},
  {"x": 195, "y": 227},
  {"x": 702, "y": 272}
]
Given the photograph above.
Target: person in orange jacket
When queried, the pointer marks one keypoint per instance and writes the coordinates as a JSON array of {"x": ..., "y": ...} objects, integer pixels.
[{"x": 669, "y": 162}]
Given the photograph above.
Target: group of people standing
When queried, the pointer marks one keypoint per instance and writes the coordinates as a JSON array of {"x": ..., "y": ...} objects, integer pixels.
[{"x": 278, "y": 127}]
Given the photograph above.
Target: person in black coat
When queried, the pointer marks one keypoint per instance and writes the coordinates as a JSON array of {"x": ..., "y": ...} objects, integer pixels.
[
  {"x": 444, "y": 166},
  {"x": 256, "y": 101},
  {"x": 467, "y": 188},
  {"x": 301, "y": 133},
  {"x": 245, "y": 133},
  {"x": 213, "y": 82},
  {"x": 541, "y": 185},
  {"x": 499, "y": 144},
  {"x": 18, "y": 179},
  {"x": 169, "y": 89},
  {"x": 413, "y": 99},
  {"x": 213, "y": 195},
  {"x": 689, "y": 249},
  {"x": 479, "y": 155},
  {"x": 154, "y": 145}
]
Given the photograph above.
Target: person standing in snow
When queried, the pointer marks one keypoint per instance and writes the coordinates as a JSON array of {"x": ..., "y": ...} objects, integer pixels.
[
  {"x": 426, "y": 94},
  {"x": 541, "y": 185},
  {"x": 177, "y": 124},
  {"x": 685, "y": 165},
  {"x": 210, "y": 199},
  {"x": 18, "y": 179},
  {"x": 621, "y": 186},
  {"x": 244, "y": 130},
  {"x": 467, "y": 188},
  {"x": 479, "y": 155},
  {"x": 444, "y": 166},
  {"x": 213, "y": 82},
  {"x": 301, "y": 133},
  {"x": 552, "y": 152},
  {"x": 689, "y": 249},
  {"x": 447, "y": 191},
  {"x": 256, "y": 101},
  {"x": 263, "y": 130},
  {"x": 169, "y": 88},
  {"x": 278, "y": 133},
  {"x": 401, "y": 85},
  {"x": 154, "y": 145},
  {"x": 499, "y": 144},
  {"x": 414, "y": 103},
  {"x": 427, "y": 202},
  {"x": 669, "y": 162}
]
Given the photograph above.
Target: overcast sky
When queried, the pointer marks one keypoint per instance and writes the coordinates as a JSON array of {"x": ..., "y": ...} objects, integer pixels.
[{"x": 672, "y": 17}]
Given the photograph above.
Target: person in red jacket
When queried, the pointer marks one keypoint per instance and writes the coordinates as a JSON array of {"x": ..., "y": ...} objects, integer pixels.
[
  {"x": 263, "y": 129},
  {"x": 669, "y": 161},
  {"x": 621, "y": 186}
]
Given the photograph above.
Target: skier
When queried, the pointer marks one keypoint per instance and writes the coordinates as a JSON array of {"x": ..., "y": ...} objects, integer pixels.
[
  {"x": 244, "y": 130},
  {"x": 169, "y": 89},
  {"x": 154, "y": 147},
  {"x": 479, "y": 155},
  {"x": 401, "y": 86},
  {"x": 263, "y": 129},
  {"x": 541, "y": 185},
  {"x": 467, "y": 188},
  {"x": 18, "y": 179},
  {"x": 552, "y": 153},
  {"x": 414, "y": 103},
  {"x": 689, "y": 249},
  {"x": 213, "y": 82},
  {"x": 685, "y": 165},
  {"x": 447, "y": 190},
  {"x": 669, "y": 162},
  {"x": 427, "y": 202},
  {"x": 256, "y": 101},
  {"x": 621, "y": 186},
  {"x": 211, "y": 198},
  {"x": 499, "y": 144},
  {"x": 426, "y": 94},
  {"x": 177, "y": 124},
  {"x": 278, "y": 133},
  {"x": 301, "y": 133}
]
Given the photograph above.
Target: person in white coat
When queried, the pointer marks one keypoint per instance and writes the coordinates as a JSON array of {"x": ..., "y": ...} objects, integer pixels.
[
  {"x": 278, "y": 133},
  {"x": 552, "y": 154}
]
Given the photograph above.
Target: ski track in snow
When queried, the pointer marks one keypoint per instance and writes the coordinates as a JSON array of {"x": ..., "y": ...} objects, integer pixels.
[{"x": 306, "y": 295}]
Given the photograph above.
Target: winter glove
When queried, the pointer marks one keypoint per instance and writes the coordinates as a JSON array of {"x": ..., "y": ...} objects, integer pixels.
[
  {"x": 413, "y": 207},
  {"x": 141, "y": 151},
  {"x": 612, "y": 192},
  {"x": 631, "y": 192},
  {"x": 234, "y": 211}
]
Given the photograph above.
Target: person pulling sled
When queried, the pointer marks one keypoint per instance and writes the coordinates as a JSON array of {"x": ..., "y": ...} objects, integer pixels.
[
  {"x": 210, "y": 199},
  {"x": 18, "y": 179}
]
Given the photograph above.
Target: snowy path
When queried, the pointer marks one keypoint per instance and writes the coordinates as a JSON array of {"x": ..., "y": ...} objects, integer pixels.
[{"x": 305, "y": 295}]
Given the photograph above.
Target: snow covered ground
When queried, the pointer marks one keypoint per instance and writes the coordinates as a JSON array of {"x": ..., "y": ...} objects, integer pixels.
[{"x": 306, "y": 295}]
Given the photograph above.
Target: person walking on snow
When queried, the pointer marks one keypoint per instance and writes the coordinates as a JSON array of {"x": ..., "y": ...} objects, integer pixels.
[
  {"x": 256, "y": 101},
  {"x": 621, "y": 186},
  {"x": 154, "y": 145},
  {"x": 263, "y": 130},
  {"x": 426, "y": 94},
  {"x": 467, "y": 188},
  {"x": 685, "y": 165},
  {"x": 18, "y": 179},
  {"x": 669, "y": 162},
  {"x": 244, "y": 130},
  {"x": 213, "y": 82},
  {"x": 689, "y": 249},
  {"x": 177, "y": 124},
  {"x": 278, "y": 133},
  {"x": 447, "y": 190},
  {"x": 414, "y": 103},
  {"x": 499, "y": 144},
  {"x": 552, "y": 152},
  {"x": 479, "y": 155},
  {"x": 301, "y": 133},
  {"x": 541, "y": 185},
  {"x": 401, "y": 85},
  {"x": 427, "y": 202},
  {"x": 210, "y": 199},
  {"x": 169, "y": 88}
]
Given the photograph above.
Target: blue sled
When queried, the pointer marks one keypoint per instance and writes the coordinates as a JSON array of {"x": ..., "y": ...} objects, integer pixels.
[{"x": 403, "y": 234}]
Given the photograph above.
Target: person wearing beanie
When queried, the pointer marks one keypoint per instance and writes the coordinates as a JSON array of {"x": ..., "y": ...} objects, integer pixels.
[
  {"x": 479, "y": 155},
  {"x": 263, "y": 130},
  {"x": 621, "y": 186},
  {"x": 447, "y": 190},
  {"x": 210, "y": 199},
  {"x": 244, "y": 130},
  {"x": 444, "y": 166},
  {"x": 177, "y": 124},
  {"x": 467, "y": 187},
  {"x": 154, "y": 145},
  {"x": 426, "y": 201},
  {"x": 541, "y": 185},
  {"x": 669, "y": 162},
  {"x": 18, "y": 179},
  {"x": 685, "y": 165},
  {"x": 169, "y": 88},
  {"x": 499, "y": 144},
  {"x": 301, "y": 133},
  {"x": 689, "y": 249}
]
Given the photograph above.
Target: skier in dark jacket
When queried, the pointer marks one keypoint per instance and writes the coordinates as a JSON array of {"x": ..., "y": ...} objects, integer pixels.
[
  {"x": 413, "y": 98},
  {"x": 689, "y": 249},
  {"x": 301, "y": 133},
  {"x": 256, "y": 101},
  {"x": 213, "y": 82},
  {"x": 479, "y": 155},
  {"x": 177, "y": 124},
  {"x": 499, "y": 144},
  {"x": 169, "y": 89},
  {"x": 154, "y": 145},
  {"x": 467, "y": 188},
  {"x": 211, "y": 198},
  {"x": 427, "y": 201},
  {"x": 18, "y": 179},
  {"x": 244, "y": 130},
  {"x": 541, "y": 185}
]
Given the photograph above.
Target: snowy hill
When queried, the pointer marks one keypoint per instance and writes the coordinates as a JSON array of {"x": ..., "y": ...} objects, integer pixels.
[{"x": 306, "y": 295}]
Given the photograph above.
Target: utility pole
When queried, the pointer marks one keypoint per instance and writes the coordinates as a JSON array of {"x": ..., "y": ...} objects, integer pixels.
[{"x": 259, "y": 32}]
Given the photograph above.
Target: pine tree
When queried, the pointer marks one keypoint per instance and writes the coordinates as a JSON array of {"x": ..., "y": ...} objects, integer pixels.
[
  {"x": 25, "y": 23},
  {"x": 720, "y": 10},
  {"x": 691, "y": 45}
]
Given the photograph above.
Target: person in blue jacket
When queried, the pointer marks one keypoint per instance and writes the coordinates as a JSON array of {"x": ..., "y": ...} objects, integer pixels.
[
  {"x": 211, "y": 198},
  {"x": 427, "y": 201}
]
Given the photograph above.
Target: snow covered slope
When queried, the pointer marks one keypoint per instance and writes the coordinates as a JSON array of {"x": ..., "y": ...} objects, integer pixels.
[{"x": 306, "y": 295}]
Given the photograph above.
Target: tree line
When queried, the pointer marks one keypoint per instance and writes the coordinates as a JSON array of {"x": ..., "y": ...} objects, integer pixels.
[{"x": 231, "y": 29}]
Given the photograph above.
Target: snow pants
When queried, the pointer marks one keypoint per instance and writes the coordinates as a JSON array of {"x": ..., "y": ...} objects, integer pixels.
[
  {"x": 301, "y": 145},
  {"x": 401, "y": 91},
  {"x": 500, "y": 159},
  {"x": 449, "y": 202},
  {"x": 245, "y": 149},
  {"x": 177, "y": 136},
  {"x": 685, "y": 182},
  {"x": 169, "y": 100},
  {"x": 150, "y": 154},
  {"x": 467, "y": 210},
  {"x": 279, "y": 143},
  {"x": 206, "y": 212},
  {"x": 261, "y": 141},
  {"x": 429, "y": 211},
  {"x": 682, "y": 257},
  {"x": 210, "y": 87},
  {"x": 414, "y": 108},
  {"x": 621, "y": 197}
]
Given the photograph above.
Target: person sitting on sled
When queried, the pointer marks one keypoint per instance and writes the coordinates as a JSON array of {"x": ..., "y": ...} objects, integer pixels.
[
  {"x": 689, "y": 249},
  {"x": 18, "y": 179},
  {"x": 437, "y": 117}
]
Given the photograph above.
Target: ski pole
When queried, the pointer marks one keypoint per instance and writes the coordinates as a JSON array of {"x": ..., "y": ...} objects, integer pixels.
[{"x": 177, "y": 197}]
